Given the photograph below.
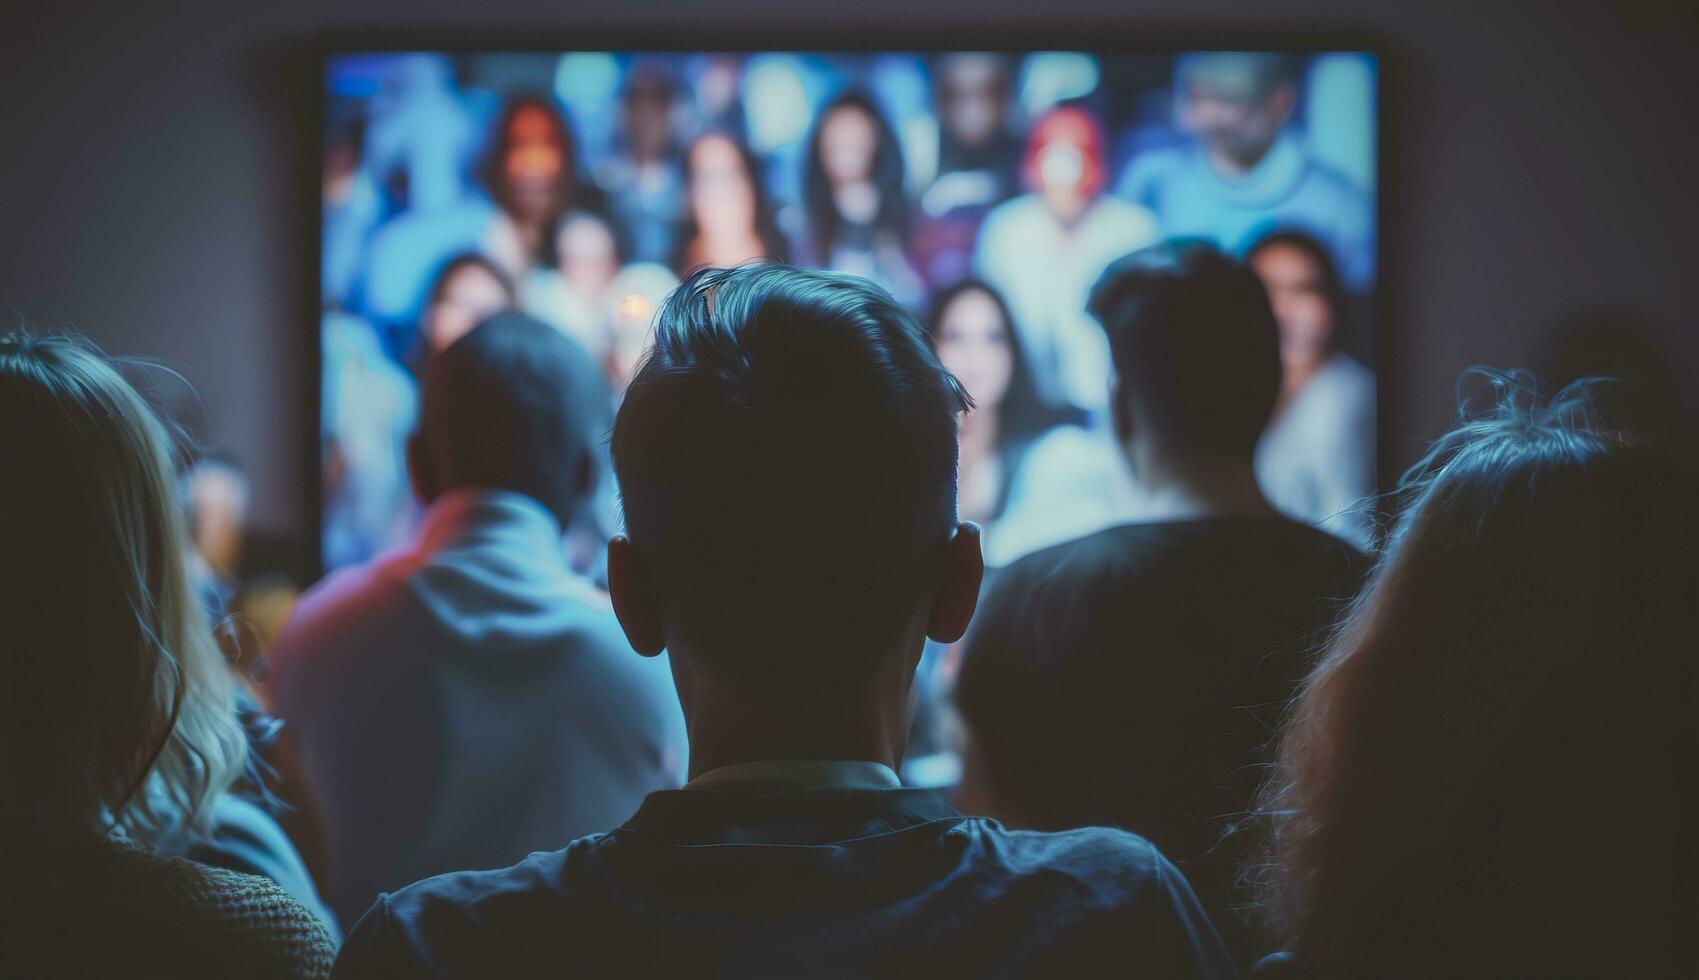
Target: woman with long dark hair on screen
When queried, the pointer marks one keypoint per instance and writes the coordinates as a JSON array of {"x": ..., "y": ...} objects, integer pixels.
[
  {"x": 728, "y": 219},
  {"x": 970, "y": 329},
  {"x": 118, "y": 729},
  {"x": 858, "y": 220},
  {"x": 1492, "y": 771},
  {"x": 1032, "y": 474},
  {"x": 1316, "y": 459},
  {"x": 530, "y": 170},
  {"x": 467, "y": 288}
]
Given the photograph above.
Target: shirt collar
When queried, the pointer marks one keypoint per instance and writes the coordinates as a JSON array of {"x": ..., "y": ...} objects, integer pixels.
[
  {"x": 798, "y": 774},
  {"x": 763, "y": 815}
]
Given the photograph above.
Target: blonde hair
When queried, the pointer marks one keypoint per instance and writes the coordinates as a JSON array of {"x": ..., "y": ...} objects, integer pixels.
[{"x": 118, "y": 711}]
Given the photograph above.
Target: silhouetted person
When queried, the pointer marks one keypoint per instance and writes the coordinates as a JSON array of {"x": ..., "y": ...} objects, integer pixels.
[
  {"x": 119, "y": 744},
  {"x": 787, "y": 458},
  {"x": 1132, "y": 678},
  {"x": 1492, "y": 772},
  {"x": 467, "y": 699}
]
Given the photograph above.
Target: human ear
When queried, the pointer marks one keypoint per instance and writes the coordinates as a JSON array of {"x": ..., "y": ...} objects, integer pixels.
[
  {"x": 634, "y": 597},
  {"x": 957, "y": 591}
]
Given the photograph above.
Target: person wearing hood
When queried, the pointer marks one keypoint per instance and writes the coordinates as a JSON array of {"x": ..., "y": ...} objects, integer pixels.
[{"x": 467, "y": 699}]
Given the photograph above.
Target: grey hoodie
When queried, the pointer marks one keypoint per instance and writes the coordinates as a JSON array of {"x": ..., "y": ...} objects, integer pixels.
[{"x": 466, "y": 700}]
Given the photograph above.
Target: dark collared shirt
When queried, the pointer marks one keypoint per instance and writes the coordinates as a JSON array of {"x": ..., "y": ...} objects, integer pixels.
[{"x": 820, "y": 883}]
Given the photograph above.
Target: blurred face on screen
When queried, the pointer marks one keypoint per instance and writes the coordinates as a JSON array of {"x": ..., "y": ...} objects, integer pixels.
[
  {"x": 716, "y": 87},
  {"x": 218, "y": 498},
  {"x": 1298, "y": 294},
  {"x": 534, "y": 162},
  {"x": 1235, "y": 107},
  {"x": 848, "y": 142},
  {"x": 341, "y": 167},
  {"x": 973, "y": 344},
  {"x": 588, "y": 256},
  {"x": 648, "y": 116},
  {"x": 973, "y": 97},
  {"x": 721, "y": 196},
  {"x": 632, "y": 299},
  {"x": 632, "y": 316},
  {"x": 1065, "y": 162},
  {"x": 470, "y": 295}
]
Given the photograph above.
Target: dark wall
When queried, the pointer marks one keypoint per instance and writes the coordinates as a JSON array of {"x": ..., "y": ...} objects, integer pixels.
[{"x": 156, "y": 173}]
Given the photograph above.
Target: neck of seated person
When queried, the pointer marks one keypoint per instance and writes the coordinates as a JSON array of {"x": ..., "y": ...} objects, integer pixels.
[
  {"x": 732, "y": 722},
  {"x": 810, "y": 686},
  {"x": 1196, "y": 486}
]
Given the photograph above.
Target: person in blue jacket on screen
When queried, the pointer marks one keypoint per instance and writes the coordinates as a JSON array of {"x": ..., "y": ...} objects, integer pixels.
[{"x": 1246, "y": 168}]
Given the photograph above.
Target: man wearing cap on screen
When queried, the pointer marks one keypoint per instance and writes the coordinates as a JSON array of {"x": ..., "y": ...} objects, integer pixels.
[
  {"x": 1246, "y": 170},
  {"x": 786, "y": 457}
]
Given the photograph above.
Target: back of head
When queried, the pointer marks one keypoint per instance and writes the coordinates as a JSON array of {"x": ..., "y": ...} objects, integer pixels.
[
  {"x": 1195, "y": 347},
  {"x": 786, "y": 458},
  {"x": 509, "y": 406},
  {"x": 117, "y": 707},
  {"x": 1507, "y": 716}
]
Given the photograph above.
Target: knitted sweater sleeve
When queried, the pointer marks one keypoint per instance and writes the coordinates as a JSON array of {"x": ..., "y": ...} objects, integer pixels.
[{"x": 248, "y": 923}]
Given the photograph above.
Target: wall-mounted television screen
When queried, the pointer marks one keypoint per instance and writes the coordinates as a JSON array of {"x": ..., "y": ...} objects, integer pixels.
[{"x": 985, "y": 190}]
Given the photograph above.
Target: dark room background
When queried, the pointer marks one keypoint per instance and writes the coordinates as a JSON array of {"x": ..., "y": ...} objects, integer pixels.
[{"x": 158, "y": 178}]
